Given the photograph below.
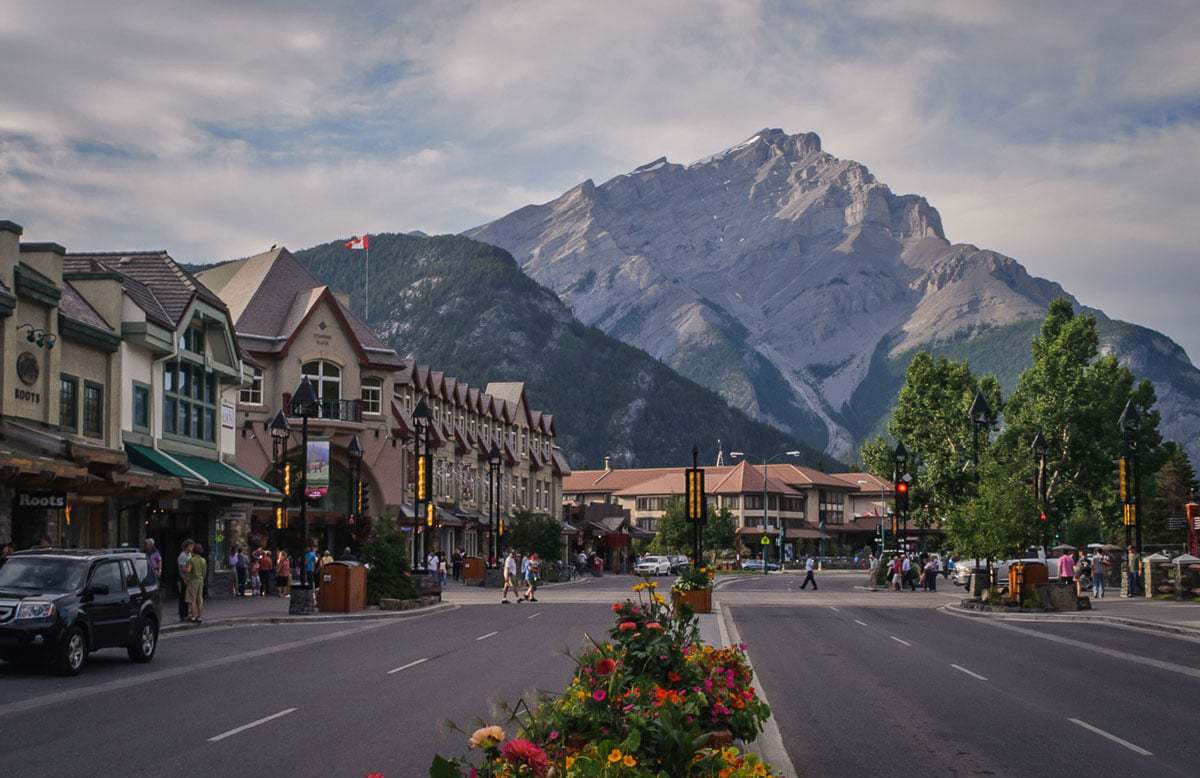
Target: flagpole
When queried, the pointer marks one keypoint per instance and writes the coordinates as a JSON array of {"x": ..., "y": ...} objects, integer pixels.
[{"x": 367, "y": 281}]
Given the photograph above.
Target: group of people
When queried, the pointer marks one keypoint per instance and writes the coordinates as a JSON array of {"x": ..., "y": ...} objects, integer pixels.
[
  {"x": 914, "y": 570},
  {"x": 530, "y": 571},
  {"x": 1090, "y": 571}
]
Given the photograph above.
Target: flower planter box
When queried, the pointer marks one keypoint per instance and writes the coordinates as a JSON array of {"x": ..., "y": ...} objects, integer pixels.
[{"x": 699, "y": 600}]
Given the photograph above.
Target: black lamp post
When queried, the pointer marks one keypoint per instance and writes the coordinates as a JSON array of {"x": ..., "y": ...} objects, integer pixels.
[
  {"x": 981, "y": 419},
  {"x": 1131, "y": 424},
  {"x": 493, "y": 551},
  {"x": 354, "y": 453},
  {"x": 1040, "y": 447},
  {"x": 280, "y": 432},
  {"x": 422, "y": 419},
  {"x": 304, "y": 406}
]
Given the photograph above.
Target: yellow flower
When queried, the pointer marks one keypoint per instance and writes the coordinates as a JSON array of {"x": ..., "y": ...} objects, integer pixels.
[
  {"x": 581, "y": 694},
  {"x": 729, "y": 754},
  {"x": 614, "y": 756},
  {"x": 570, "y": 762},
  {"x": 760, "y": 769},
  {"x": 629, "y": 761}
]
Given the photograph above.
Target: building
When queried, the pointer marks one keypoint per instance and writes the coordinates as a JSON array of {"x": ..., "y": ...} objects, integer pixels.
[
  {"x": 114, "y": 427},
  {"x": 291, "y": 325}
]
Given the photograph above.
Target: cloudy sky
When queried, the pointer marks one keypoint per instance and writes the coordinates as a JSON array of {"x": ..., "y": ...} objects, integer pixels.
[{"x": 1067, "y": 137}]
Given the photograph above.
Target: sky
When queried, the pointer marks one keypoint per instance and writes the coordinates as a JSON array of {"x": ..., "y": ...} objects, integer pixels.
[{"x": 1066, "y": 135}]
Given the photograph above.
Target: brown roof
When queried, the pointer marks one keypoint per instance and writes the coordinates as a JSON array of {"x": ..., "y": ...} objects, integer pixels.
[
  {"x": 72, "y": 305},
  {"x": 873, "y": 482},
  {"x": 799, "y": 475},
  {"x": 173, "y": 287},
  {"x": 560, "y": 462},
  {"x": 669, "y": 482},
  {"x": 744, "y": 478}
]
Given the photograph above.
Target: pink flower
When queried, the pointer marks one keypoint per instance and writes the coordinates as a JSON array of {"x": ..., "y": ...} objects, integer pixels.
[
  {"x": 605, "y": 666},
  {"x": 599, "y": 695},
  {"x": 654, "y": 625},
  {"x": 522, "y": 752},
  {"x": 627, "y": 626}
]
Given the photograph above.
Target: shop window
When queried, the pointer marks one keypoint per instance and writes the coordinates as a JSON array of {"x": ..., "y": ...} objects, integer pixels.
[
  {"x": 93, "y": 410},
  {"x": 141, "y": 406},
  {"x": 372, "y": 395},
  {"x": 68, "y": 403},
  {"x": 253, "y": 394}
]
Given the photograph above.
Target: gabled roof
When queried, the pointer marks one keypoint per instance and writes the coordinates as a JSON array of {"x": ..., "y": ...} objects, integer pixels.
[
  {"x": 473, "y": 399},
  {"x": 665, "y": 483},
  {"x": 404, "y": 373},
  {"x": 172, "y": 287},
  {"x": 744, "y": 478},
  {"x": 435, "y": 384},
  {"x": 866, "y": 482},
  {"x": 72, "y": 305},
  {"x": 560, "y": 462},
  {"x": 799, "y": 475},
  {"x": 421, "y": 378}
]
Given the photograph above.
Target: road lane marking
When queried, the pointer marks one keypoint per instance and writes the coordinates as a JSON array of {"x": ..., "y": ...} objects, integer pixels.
[
  {"x": 968, "y": 672},
  {"x": 488, "y": 635},
  {"x": 534, "y": 616},
  {"x": 1112, "y": 737},
  {"x": 861, "y": 623},
  {"x": 251, "y": 725},
  {"x": 410, "y": 664},
  {"x": 832, "y": 608},
  {"x": 898, "y": 640}
]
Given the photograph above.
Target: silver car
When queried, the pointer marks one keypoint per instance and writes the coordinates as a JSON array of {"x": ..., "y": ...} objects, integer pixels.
[{"x": 653, "y": 565}]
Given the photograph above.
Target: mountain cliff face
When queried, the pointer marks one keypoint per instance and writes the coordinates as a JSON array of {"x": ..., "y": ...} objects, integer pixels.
[
  {"x": 798, "y": 286},
  {"x": 467, "y": 309}
]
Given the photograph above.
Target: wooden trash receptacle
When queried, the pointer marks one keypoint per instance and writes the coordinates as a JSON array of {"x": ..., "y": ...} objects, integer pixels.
[
  {"x": 1025, "y": 577},
  {"x": 473, "y": 571},
  {"x": 343, "y": 588}
]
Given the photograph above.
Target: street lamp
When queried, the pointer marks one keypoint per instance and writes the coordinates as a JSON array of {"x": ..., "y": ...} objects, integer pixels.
[
  {"x": 493, "y": 497},
  {"x": 1130, "y": 423},
  {"x": 981, "y": 419},
  {"x": 354, "y": 453},
  {"x": 1040, "y": 447},
  {"x": 422, "y": 420},
  {"x": 304, "y": 406},
  {"x": 767, "y": 461}
]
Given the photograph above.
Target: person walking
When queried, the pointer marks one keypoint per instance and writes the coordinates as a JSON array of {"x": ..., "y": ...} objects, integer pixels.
[
  {"x": 153, "y": 558},
  {"x": 529, "y": 570},
  {"x": 931, "y": 574},
  {"x": 197, "y": 571},
  {"x": 906, "y": 573},
  {"x": 1098, "y": 581},
  {"x": 442, "y": 569},
  {"x": 1066, "y": 569},
  {"x": 283, "y": 574},
  {"x": 897, "y": 573},
  {"x": 456, "y": 564},
  {"x": 510, "y": 577},
  {"x": 309, "y": 570},
  {"x": 181, "y": 563},
  {"x": 1134, "y": 560},
  {"x": 808, "y": 574},
  {"x": 266, "y": 569}
]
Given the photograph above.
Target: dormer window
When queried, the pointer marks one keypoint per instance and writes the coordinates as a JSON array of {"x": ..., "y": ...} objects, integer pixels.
[{"x": 192, "y": 340}]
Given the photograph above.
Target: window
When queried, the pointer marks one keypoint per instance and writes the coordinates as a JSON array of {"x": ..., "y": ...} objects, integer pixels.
[
  {"x": 794, "y": 505},
  {"x": 109, "y": 574},
  {"x": 189, "y": 401},
  {"x": 253, "y": 394},
  {"x": 753, "y": 502},
  {"x": 93, "y": 410},
  {"x": 652, "y": 503},
  {"x": 372, "y": 395},
  {"x": 68, "y": 402},
  {"x": 832, "y": 507},
  {"x": 192, "y": 340},
  {"x": 732, "y": 502},
  {"x": 326, "y": 378},
  {"x": 141, "y": 406}
]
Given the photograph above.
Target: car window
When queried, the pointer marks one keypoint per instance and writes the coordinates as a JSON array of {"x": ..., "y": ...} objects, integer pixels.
[
  {"x": 41, "y": 574},
  {"x": 109, "y": 574},
  {"x": 143, "y": 571},
  {"x": 132, "y": 579}
]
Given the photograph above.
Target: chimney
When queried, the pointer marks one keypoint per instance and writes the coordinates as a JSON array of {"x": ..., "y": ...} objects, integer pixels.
[{"x": 607, "y": 465}]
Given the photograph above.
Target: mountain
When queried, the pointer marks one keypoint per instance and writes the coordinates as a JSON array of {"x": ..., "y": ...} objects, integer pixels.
[
  {"x": 467, "y": 309},
  {"x": 799, "y": 286}
]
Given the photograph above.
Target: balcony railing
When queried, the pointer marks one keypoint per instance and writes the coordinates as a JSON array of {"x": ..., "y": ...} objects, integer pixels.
[{"x": 334, "y": 410}]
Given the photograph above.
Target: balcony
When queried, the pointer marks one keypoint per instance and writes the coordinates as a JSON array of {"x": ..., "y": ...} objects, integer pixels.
[{"x": 330, "y": 410}]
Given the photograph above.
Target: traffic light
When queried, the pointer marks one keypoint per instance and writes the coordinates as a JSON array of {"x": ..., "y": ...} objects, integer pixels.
[
  {"x": 902, "y": 494},
  {"x": 1043, "y": 517},
  {"x": 287, "y": 479}
]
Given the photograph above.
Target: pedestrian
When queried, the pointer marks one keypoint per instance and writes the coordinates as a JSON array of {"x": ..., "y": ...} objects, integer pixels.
[
  {"x": 906, "y": 573},
  {"x": 931, "y": 574},
  {"x": 266, "y": 568},
  {"x": 181, "y": 565},
  {"x": 1083, "y": 572},
  {"x": 283, "y": 574},
  {"x": 153, "y": 558},
  {"x": 253, "y": 577},
  {"x": 442, "y": 569},
  {"x": 510, "y": 577},
  {"x": 1098, "y": 582},
  {"x": 431, "y": 563},
  {"x": 1066, "y": 569},
  {"x": 897, "y": 573},
  {"x": 529, "y": 569},
  {"x": 1134, "y": 561},
  {"x": 310, "y": 567},
  {"x": 808, "y": 574},
  {"x": 947, "y": 566},
  {"x": 347, "y": 555},
  {"x": 197, "y": 571},
  {"x": 456, "y": 564}
]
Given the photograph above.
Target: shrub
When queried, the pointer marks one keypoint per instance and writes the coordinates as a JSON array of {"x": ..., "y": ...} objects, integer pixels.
[
  {"x": 693, "y": 579},
  {"x": 387, "y": 554}
]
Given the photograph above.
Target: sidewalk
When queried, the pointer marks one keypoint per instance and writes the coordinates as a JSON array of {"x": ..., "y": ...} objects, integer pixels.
[
  {"x": 1181, "y": 618},
  {"x": 227, "y": 611}
]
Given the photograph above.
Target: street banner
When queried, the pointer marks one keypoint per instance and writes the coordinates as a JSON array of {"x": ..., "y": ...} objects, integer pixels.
[
  {"x": 318, "y": 469},
  {"x": 695, "y": 501}
]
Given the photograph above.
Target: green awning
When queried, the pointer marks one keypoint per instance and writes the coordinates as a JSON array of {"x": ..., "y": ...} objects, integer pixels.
[{"x": 192, "y": 470}]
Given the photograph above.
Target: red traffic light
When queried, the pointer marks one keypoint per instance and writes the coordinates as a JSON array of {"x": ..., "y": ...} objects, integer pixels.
[
  {"x": 1042, "y": 516},
  {"x": 902, "y": 487}
]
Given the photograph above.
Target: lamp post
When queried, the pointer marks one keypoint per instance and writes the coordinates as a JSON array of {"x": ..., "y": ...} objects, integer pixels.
[
  {"x": 493, "y": 497},
  {"x": 280, "y": 432},
  {"x": 1039, "y": 448},
  {"x": 422, "y": 419},
  {"x": 304, "y": 406},
  {"x": 981, "y": 419},
  {"x": 767, "y": 461},
  {"x": 354, "y": 453},
  {"x": 1131, "y": 424}
]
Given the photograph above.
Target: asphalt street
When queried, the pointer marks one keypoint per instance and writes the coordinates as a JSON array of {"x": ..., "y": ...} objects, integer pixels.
[{"x": 870, "y": 681}]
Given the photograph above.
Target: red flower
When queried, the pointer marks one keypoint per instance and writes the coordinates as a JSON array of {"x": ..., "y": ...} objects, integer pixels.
[
  {"x": 599, "y": 695},
  {"x": 616, "y": 607},
  {"x": 654, "y": 625},
  {"x": 674, "y": 677},
  {"x": 605, "y": 666},
  {"x": 518, "y": 751},
  {"x": 627, "y": 626}
]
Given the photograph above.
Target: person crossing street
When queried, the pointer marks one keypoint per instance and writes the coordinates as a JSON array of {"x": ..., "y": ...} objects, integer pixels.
[{"x": 808, "y": 574}]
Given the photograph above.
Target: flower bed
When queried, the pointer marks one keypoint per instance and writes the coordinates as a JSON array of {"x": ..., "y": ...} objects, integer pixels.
[
  {"x": 693, "y": 589},
  {"x": 650, "y": 702}
]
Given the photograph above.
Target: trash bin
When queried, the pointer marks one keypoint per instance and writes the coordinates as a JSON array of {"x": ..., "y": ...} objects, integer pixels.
[
  {"x": 1024, "y": 578},
  {"x": 343, "y": 588},
  {"x": 473, "y": 570}
]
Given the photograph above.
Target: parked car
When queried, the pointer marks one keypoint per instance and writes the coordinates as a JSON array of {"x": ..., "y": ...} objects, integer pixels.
[
  {"x": 57, "y": 606},
  {"x": 757, "y": 564},
  {"x": 679, "y": 563},
  {"x": 965, "y": 567},
  {"x": 653, "y": 565}
]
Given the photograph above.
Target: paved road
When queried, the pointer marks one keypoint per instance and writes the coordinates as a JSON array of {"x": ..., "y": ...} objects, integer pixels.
[{"x": 859, "y": 681}]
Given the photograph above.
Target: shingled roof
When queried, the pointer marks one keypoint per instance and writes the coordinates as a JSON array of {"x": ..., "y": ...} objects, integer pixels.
[
  {"x": 72, "y": 305},
  {"x": 171, "y": 287}
]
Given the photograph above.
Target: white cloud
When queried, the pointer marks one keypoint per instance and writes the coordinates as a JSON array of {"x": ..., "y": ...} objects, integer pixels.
[{"x": 1062, "y": 134}]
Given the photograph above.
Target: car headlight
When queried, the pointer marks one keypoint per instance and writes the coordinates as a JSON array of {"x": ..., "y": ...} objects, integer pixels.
[{"x": 35, "y": 610}]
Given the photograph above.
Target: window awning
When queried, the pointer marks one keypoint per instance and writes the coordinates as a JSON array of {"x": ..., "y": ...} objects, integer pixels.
[{"x": 209, "y": 476}]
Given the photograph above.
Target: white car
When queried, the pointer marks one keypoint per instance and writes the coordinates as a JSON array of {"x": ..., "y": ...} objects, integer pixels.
[{"x": 653, "y": 565}]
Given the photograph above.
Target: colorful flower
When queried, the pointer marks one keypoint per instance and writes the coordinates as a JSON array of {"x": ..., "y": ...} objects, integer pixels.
[
  {"x": 599, "y": 695},
  {"x": 614, "y": 756},
  {"x": 519, "y": 751},
  {"x": 605, "y": 666},
  {"x": 486, "y": 737},
  {"x": 627, "y": 626}
]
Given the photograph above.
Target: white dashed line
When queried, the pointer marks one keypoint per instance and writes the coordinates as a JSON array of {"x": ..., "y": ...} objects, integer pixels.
[
  {"x": 968, "y": 672},
  {"x": 534, "y": 616},
  {"x": 410, "y": 664},
  {"x": 898, "y": 640},
  {"x": 251, "y": 725},
  {"x": 1113, "y": 738},
  {"x": 832, "y": 608},
  {"x": 488, "y": 635},
  {"x": 860, "y": 623}
]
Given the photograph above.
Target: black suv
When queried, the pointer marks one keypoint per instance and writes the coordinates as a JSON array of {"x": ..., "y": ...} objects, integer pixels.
[{"x": 57, "y": 605}]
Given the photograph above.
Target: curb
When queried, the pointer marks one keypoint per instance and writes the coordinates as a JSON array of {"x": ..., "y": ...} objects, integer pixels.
[
  {"x": 1058, "y": 618},
  {"x": 330, "y": 618}
]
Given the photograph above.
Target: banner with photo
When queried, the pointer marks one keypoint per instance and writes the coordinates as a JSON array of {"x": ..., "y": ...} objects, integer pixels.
[{"x": 318, "y": 469}]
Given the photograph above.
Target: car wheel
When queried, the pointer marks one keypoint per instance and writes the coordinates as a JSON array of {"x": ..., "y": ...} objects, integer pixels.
[
  {"x": 72, "y": 653},
  {"x": 145, "y": 643}
]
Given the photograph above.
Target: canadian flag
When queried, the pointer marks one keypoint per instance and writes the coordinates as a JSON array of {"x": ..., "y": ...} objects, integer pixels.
[{"x": 359, "y": 243}]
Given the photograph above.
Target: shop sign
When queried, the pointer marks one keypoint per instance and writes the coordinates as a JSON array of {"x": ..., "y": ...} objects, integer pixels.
[
  {"x": 40, "y": 500},
  {"x": 228, "y": 416},
  {"x": 318, "y": 469}
]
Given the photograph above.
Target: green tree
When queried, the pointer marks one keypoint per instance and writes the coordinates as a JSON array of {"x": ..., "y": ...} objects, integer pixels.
[
  {"x": 535, "y": 532},
  {"x": 1001, "y": 520},
  {"x": 1173, "y": 488},
  {"x": 674, "y": 534},
  {"x": 721, "y": 531},
  {"x": 386, "y": 551}
]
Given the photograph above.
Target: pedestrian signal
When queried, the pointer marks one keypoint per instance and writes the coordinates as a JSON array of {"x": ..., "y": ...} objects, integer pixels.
[
  {"x": 280, "y": 517},
  {"x": 1129, "y": 518}
]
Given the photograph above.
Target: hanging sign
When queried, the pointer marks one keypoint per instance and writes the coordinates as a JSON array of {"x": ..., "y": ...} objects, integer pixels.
[{"x": 318, "y": 469}]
